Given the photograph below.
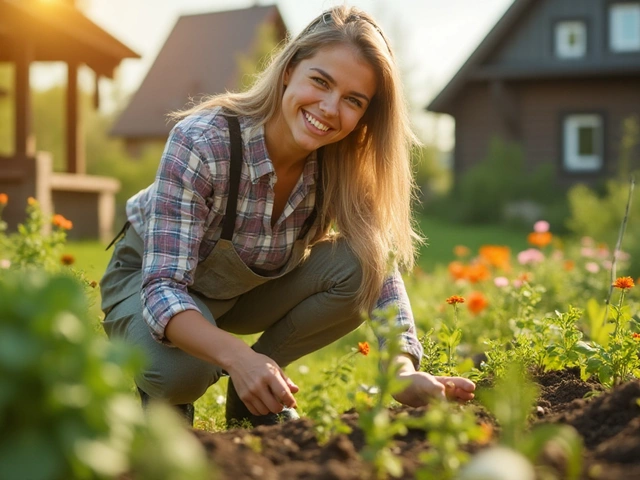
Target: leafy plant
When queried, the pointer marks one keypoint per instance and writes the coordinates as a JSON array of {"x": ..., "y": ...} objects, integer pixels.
[
  {"x": 373, "y": 415},
  {"x": 321, "y": 409},
  {"x": 66, "y": 407}
]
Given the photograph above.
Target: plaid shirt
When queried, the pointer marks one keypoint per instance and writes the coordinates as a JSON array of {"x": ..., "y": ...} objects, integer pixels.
[{"x": 180, "y": 218}]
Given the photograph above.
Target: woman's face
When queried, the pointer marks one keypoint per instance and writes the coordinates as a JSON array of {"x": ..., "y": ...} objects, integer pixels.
[{"x": 325, "y": 97}]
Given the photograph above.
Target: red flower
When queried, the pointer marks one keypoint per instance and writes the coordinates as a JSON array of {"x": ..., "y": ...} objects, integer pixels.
[
  {"x": 453, "y": 299},
  {"x": 363, "y": 348},
  {"x": 623, "y": 283},
  {"x": 477, "y": 302},
  {"x": 67, "y": 259}
]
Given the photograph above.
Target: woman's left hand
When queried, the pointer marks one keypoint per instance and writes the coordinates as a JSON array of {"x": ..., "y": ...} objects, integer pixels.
[{"x": 424, "y": 387}]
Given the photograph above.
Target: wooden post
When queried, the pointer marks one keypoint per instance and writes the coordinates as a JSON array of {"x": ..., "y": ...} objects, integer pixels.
[
  {"x": 75, "y": 150},
  {"x": 25, "y": 144}
]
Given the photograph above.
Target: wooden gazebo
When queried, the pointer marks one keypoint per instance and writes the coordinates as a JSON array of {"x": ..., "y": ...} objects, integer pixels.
[{"x": 55, "y": 30}]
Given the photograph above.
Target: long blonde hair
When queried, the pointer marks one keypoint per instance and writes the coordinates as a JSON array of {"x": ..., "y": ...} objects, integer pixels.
[{"x": 368, "y": 183}]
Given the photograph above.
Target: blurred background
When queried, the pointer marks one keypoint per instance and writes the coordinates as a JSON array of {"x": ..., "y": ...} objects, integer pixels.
[{"x": 527, "y": 109}]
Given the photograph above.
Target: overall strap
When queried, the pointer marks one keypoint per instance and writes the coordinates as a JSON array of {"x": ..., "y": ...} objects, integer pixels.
[
  {"x": 319, "y": 197},
  {"x": 235, "y": 169}
]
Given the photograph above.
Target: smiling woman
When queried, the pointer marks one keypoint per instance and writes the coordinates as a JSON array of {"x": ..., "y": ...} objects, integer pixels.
[{"x": 275, "y": 211}]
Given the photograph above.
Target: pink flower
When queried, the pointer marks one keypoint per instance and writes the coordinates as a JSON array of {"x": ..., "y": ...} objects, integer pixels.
[
  {"x": 592, "y": 267},
  {"x": 587, "y": 242},
  {"x": 606, "y": 264},
  {"x": 531, "y": 255},
  {"x": 501, "y": 281},
  {"x": 541, "y": 226},
  {"x": 587, "y": 252},
  {"x": 557, "y": 255},
  {"x": 622, "y": 256}
]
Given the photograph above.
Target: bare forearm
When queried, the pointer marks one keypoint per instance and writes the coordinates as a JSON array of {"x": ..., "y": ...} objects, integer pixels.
[
  {"x": 405, "y": 363},
  {"x": 193, "y": 333}
]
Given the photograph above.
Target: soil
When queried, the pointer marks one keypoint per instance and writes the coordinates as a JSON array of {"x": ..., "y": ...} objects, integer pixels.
[{"x": 607, "y": 420}]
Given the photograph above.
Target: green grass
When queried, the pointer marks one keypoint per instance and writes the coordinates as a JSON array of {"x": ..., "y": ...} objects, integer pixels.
[
  {"x": 90, "y": 257},
  {"x": 443, "y": 236}
]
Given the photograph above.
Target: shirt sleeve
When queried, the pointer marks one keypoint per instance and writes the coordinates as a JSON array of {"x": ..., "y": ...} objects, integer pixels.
[
  {"x": 394, "y": 294},
  {"x": 174, "y": 230}
]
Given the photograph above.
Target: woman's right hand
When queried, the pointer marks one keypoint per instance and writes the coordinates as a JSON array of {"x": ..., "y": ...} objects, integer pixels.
[
  {"x": 259, "y": 381},
  {"x": 261, "y": 384}
]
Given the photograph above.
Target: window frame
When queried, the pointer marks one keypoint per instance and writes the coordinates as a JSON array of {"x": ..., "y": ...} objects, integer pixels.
[
  {"x": 570, "y": 160},
  {"x": 556, "y": 38},
  {"x": 612, "y": 40}
]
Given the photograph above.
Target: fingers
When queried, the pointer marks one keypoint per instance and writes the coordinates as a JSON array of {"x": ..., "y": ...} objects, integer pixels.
[
  {"x": 269, "y": 395},
  {"x": 458, "y": 388}
]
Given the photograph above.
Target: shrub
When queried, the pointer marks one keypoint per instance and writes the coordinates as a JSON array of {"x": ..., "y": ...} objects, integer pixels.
[{"x": 485, "y": 190}]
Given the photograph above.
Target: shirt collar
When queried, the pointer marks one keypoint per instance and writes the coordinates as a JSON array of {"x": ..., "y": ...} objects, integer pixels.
[{"x": 260, "y": 164}]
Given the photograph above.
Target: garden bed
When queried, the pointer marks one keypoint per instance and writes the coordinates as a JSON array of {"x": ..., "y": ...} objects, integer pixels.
[{"x": 608, "y": 422}]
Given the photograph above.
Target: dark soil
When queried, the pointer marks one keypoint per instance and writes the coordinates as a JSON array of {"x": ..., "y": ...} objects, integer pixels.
[{"x": 607, "y": 420}]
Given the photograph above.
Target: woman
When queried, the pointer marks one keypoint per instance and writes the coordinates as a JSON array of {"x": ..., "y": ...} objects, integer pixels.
[{"x": 275, "y": 210}]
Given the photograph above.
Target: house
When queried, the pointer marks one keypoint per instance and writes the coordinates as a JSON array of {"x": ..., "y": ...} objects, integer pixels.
[
  {"x": 556, "y": 76},
  {"x": 33, "y": 31},
  {"x": 201, "y": 56}
]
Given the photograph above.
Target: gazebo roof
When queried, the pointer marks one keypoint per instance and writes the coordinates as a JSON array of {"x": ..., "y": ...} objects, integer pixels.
[{"x": 58, "y": 32}]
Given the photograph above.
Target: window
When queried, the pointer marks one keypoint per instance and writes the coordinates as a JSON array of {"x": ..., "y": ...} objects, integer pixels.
[
  {"x": 582, "y": 143},
  {"x": 571, "y": 39},
  {"x": 624, "y": 27}
]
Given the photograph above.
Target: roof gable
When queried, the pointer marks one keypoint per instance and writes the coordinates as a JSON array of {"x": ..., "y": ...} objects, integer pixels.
[
  {"x": 521, "y": 47},
  {"x": 200, "y": 57}
]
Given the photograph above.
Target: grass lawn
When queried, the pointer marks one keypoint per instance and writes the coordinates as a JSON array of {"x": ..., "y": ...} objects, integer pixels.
[
  {"x": 90, "y": 257},
  {"x": 443, "y": 236}
]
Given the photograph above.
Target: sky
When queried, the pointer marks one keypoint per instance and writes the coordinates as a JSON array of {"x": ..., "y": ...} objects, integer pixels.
[{"x": 431, "y": 38}]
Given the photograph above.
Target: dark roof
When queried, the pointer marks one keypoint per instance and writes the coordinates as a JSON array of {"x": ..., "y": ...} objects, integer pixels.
[
  {"x": 479, "y": 67},
  {"x": 60, "y": 32},
  {"x": 495, "y": 36},
  {"x": 200, "y": 57}
]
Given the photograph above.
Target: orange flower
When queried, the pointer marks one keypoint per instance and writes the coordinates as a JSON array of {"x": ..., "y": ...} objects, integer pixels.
[
  {"x": 569, "y": 265},
  {"x": 461, "y": 251},
  {"x": 477, "y": 302},
  {"x": 67, "y": 259},
  {"x": 457, "y": 270},
  {"x": 624, "y": 283},
  {"x": 4, "y": 198},
  {"x": 363, "y": 348},
  {"x": 540, "y": 239},
  {"x": 486, "y": 433},
  {"x": 636, "y": 336},
  {"x": 61, "y": 222},
  {"x": 495, "y": 256},
  {"x": 32, "y": 201},
  {"x": 453, "y": 299},
  {"x": 477, "y": 272}
]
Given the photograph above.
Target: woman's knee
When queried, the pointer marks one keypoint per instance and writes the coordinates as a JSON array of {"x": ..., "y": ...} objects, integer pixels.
[
  {"x": 340, "y": 266},
  {"x": 178, "y": 382}
]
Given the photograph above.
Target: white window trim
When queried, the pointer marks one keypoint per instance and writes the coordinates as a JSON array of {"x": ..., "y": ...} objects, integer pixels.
[
  {"x": 618, "y": 43},
  {"x": 572, "y": 161},
  {"x": 563, "y": 49}
]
